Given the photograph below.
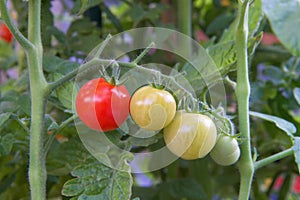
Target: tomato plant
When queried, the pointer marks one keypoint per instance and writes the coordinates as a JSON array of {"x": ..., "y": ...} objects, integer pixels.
[
  {"x": 254, "y": 47},
  {"x": 5, "y": 33},
  {"x": 226, "y": 151},
  {"x": 190, "y": 136},
  {"x": 101, "y": 105},
  {"x": 152, "y": 108}
]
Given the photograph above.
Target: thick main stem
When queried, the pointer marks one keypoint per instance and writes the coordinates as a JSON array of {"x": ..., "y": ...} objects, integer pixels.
[
  {"x": 246, "y": 166},
  {"x": 184, "y": 16},
  {"x": 38, "y": 90},
  {"x": 184, "y": 23}
]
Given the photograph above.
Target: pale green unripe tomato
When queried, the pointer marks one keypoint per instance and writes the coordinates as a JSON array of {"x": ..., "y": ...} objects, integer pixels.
[
  {"x": 226, "y": 151},
  {"x": 190, "y": 135},
  {"x": 152, "y": 108}
]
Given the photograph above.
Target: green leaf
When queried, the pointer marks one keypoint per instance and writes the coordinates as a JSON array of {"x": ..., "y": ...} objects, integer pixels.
[
  {"x": 137, "y": 13},
  {"x": 296, "y": 149},
  {"x": 80, "y": 6},
  {"x": 255, "y": 16},
  {"x": 57, "y": 65},
  {"x": 8, "y": 57},
  {"x": 284, "y": 18},
  {"x": 4, "y": 117},
  {"x": 97, "y": 181},
  {"x": 6, "y": 144},
  {"x": 58, "y": 34},
  {"x": 64, "y": 92},
  {"x": 82, "y": 36},
  {"x": 186, "y": 188},
  {"x": 283, "y": 124},
  {"x": 219, "y": 23},
  {"x": 224, "y": 53},
  {"x": 24, "y": 103},
  {"x": 116, "y": 22},
  {"x": 296, "y": 92},
  {"x": 47, "y": 21},
  {"x": 62, "y": 158}
]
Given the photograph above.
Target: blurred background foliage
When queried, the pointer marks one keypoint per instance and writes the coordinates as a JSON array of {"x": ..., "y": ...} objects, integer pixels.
[{"x": 72, "y": 28}]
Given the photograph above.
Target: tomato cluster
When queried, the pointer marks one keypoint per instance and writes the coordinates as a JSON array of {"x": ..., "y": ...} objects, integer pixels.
[
  {"x": 5, "y": 33},
  {"x": 104, "y": 106}
]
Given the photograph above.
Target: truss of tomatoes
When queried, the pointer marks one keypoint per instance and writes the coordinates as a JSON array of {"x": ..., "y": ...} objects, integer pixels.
[{"x": 103, "y": 106}]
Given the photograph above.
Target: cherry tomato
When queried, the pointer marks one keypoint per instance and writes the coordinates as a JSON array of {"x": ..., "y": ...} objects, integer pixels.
[
  {"x": 226, "y": 151},
  {"x": 102, "y": 106},
  {"x": 152, "y": 108},
  {"x": 5, "y": 33},
  {"x": 190, "y": 135}
]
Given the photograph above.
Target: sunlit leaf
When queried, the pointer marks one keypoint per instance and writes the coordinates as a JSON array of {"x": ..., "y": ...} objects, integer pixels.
[
  {"x": 224, "y": 53},
  {"x": 283, "y": 124}
]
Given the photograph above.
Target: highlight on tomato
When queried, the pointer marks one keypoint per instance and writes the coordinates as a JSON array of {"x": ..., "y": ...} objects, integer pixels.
[
  {"x": 190, "y": 135},
  {"x": 102, "y": 106},
  {"x": 152, "y": 108},
  {"x": 226, "y": 151},
  {"x": 5, "y": 33}
]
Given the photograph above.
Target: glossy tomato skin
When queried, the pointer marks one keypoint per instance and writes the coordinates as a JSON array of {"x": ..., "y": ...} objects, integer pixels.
[
  {"x": 5, "y": 33},
  {"x": 152, "y": 108},
  {"x": 190, "y": 135},
  {"x": 102, "y": 106},
  {"x": 226, "y": 151}
]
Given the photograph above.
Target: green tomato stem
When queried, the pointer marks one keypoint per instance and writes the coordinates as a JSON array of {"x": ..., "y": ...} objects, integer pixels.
[
  {"x": 96, "y": 62},
  {"x": 245, "y": 164},
  {"x": 273, "y": 158},
  {"x": 146, "y": 50}
]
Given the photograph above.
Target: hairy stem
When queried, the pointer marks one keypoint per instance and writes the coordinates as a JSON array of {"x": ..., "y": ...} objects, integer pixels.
[
  {"x": 38, "y": 91},
  {"x": 245, "y": 164}
]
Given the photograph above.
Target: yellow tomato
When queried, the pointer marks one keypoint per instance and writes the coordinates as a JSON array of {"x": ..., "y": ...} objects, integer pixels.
[
  {"x": 152, "y": 108},
  {"x": 190, "y": 135}
]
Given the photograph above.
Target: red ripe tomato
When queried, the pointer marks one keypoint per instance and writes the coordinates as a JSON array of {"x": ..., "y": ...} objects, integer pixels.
[
  {"x": 5, "y": 33},
  {"x": 102, "y": 106}
]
